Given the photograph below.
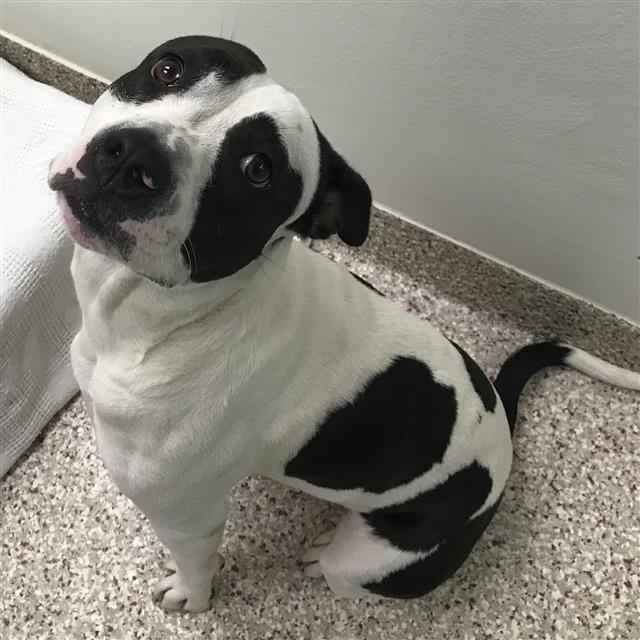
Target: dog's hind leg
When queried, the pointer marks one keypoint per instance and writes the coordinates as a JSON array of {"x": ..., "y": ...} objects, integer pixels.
[
  {"x": 429, "y": 570},
  {"x": 312, "y": 555},
  {"x": 353, "y": 557},
  {"x": 358, "y": 562}
]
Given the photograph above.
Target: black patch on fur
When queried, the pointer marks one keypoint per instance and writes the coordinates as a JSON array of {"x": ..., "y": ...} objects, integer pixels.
[
  {"x": 200, "y": 55},
  {"x": 341, "y": 203},
  {"x": 519, "y": 367},
  {"x": 424, "y": 521},
  {"x": 394, "y": 430},
  {"x": 366, "y": 284},
  {"x": 423, "y": 576},
  {"x": 480, "y": 382},
  {"x": 235, "y": 220}
]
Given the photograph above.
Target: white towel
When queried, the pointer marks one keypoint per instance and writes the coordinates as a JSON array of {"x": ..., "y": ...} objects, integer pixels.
[{"x": 38, "y": 310}]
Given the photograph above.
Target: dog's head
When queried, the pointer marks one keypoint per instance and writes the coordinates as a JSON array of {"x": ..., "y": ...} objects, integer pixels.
[{"x": 192, "y": 163}]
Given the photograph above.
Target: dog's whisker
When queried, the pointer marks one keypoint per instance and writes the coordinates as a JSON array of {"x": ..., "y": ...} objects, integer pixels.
[
  {"x": 186, "y": 250},
  {"x": 263, "y": 270},
  {"x": 189, "y": 297},
  {"x": 195, "y": 258},
  {"x": 274, "y": 262}
]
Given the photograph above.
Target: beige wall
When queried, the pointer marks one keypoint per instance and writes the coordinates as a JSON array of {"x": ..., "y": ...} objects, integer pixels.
[{"x": 511, "y": 126}]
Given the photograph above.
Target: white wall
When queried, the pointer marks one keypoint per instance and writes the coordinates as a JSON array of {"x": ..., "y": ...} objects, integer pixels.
[{"x": 511, "y": 126}]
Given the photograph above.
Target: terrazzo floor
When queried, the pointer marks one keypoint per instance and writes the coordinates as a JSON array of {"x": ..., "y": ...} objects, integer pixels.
[{"x": 560, "y": 560}]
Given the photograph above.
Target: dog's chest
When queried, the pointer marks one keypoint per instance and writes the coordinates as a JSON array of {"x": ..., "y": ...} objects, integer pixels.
[
  {"x": 160, "y": 429},
  {"x": 156, "y": 391}
]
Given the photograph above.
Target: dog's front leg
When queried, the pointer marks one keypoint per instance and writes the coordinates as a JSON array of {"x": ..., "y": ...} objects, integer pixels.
[{"x": 193, "y": 544}]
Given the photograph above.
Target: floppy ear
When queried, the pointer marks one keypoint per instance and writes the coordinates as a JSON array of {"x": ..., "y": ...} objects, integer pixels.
[{"x": 341, "y": 203}]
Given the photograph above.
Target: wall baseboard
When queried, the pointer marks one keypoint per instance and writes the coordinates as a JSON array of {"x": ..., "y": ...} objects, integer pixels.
[
  {"x": 52, "y": 56},
  {"x": 506, "y": 265}
]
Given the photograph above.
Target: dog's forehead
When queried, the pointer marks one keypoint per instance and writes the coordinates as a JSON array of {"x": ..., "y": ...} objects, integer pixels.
[
  {"x": 201, "y": 56},
  {"x": 209, "y": 102},
  {"x": 222, "y": 82}
]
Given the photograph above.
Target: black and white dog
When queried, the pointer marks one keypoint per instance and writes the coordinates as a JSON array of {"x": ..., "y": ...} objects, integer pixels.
[{"x": 215, "y": 346}]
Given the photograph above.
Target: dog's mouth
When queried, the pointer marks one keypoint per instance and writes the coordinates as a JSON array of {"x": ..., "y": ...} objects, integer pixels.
[{"x": 88, "y": 231}]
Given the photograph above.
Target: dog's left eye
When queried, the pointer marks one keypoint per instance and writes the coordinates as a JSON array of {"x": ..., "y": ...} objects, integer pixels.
[
  {"x": 257, "y": 169},
  {"x": 168, "y": 70}
]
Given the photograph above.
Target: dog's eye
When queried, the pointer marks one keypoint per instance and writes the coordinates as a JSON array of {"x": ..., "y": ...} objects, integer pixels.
[
  {"x": 257, "y": 169},
  {"x": 168, "y": 70}
]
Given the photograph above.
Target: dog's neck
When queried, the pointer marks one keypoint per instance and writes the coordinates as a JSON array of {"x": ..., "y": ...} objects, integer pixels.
[{"x": 123, "y": 310}]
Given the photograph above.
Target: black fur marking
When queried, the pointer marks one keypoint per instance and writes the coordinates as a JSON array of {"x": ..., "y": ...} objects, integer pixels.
[
  {"x": 431, "y": 517},
  {"x": 480, "y": 382},
  {"x": 366, "y": 284},
  {"x": 395, "y": 429},
  {"x": 425, "y": 575},
  {"x": 519, "y": 367},
  {"x": 201, "y": 55},
  {"x": 235, "y": 220}
]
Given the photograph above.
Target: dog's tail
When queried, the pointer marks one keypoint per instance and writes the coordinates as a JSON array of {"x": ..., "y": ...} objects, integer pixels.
[{"x": 519, "y": 367}]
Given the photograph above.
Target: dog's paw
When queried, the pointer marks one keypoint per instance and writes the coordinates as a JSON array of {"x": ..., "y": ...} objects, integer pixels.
[
  {"x": 312, "y": 556},
  {"x": 173, "y": 595},
  {"x": 169, "y": 565}
]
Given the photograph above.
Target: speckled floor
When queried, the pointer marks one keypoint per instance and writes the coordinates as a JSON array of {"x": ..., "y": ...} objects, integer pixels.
[{"x": 560, "y": 560}]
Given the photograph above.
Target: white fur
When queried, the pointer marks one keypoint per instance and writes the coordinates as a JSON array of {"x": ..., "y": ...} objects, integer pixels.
[{"x": 601, "y": 370}]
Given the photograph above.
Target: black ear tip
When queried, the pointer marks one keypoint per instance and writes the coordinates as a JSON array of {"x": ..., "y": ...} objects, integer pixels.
[
  {"x": 356, "y": 197},
  {"x": 356, "y": 235},
  {"x": 354, "y": 241}
]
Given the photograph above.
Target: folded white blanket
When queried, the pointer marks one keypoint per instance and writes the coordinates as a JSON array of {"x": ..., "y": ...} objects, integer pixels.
[{"x": 38, "y": 310}]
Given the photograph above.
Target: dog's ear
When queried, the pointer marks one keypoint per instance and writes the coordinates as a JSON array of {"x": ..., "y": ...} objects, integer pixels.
[{"x": 341, "y": 204}]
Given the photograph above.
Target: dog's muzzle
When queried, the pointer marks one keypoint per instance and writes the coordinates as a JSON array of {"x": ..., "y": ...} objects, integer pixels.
[{"x": 120, "y": 176}]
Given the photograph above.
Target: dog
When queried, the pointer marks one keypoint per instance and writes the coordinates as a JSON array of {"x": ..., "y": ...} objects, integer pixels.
[{"x": 214, "y": 345}]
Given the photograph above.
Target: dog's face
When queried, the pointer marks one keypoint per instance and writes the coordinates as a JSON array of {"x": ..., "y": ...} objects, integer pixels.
[{"x": 192, "y": 163}]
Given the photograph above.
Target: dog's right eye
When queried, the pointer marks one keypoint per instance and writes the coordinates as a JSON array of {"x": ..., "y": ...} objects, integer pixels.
[
  {"x": 168, "y": 70},
  {"x": 257, "y": 169}
]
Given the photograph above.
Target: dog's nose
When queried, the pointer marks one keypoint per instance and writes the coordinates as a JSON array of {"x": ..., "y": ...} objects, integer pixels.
[{"x": 131, "y": 162}]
